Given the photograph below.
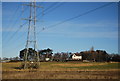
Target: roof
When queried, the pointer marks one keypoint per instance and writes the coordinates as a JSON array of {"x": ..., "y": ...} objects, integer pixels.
[{"x": 77, "y": 54}]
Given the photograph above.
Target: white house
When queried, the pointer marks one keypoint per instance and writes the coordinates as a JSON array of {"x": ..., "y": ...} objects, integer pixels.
[
  {"x": 47, "y": 59},
  {"x": 76, "y": 57}
]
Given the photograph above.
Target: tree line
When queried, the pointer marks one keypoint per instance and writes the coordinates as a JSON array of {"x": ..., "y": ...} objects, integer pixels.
[{"x": 48, "y": 55}]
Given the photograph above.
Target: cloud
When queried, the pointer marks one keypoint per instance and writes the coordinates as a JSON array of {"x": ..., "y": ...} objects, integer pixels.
[
  {"x": 80, "y": 25},
  {"x": 78, "y": 30},
  {"x": 94, "y": 34},
  {"x": 13, "y": 29},
  {"x": 83, "y": 34},
  {"x": 9, "y": 29}
]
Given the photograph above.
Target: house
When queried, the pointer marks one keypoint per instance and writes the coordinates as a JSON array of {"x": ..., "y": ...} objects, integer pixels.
[
  {"x": 76, "y": 56},
  {"x": 47, "y": 59}
]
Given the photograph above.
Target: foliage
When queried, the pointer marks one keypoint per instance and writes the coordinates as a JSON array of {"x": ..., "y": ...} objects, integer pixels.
[
  {"x": 31, "y": 53},
  {"x": 98, "y": 55},
  {"x": 46, "y": 53},
  {"x": 61, "y": 57}
]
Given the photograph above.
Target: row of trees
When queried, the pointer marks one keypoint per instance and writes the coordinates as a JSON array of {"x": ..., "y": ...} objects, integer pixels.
[
  {"x": 98, "y": 55},
  {"x": 114, "y": 57},
  {"x": 91, "y": 55},
  {"x": 10, "y": 59},
  {"x": 47, "y": 55},
  {"x": 61, "y": 56}
]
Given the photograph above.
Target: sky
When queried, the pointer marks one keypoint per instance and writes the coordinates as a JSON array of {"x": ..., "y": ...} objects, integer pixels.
[
  {"x": 98, "y": 28},
  {"x": 0, "y": 29}
]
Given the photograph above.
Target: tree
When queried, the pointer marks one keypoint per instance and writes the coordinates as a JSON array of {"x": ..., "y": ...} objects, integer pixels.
[
  {"x": 57, "y": 57},
  {"x": 31, "y": 53},
  {"x": 114, "y": 57},
  {"x": 98, "y": 55},
  {"x": 46, "y": 53},
  {"x": 5, "y": 58},
  {"x": 63, "y": 57},
  {"x": 102, "y": 55},
  {"x": 16, "y": 58}
]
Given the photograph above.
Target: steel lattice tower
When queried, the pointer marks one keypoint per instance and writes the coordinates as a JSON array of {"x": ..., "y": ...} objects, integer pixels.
[{"x": 31, "y": 61}]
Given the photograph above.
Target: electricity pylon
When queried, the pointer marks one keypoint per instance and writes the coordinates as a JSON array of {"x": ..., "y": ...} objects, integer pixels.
[{"x": 31, "y": 58}]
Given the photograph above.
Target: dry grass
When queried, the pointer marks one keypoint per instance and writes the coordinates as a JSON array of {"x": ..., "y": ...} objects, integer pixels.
[
  {"x": 60, "y": 70},
  {"x": 82, "y": 64}
]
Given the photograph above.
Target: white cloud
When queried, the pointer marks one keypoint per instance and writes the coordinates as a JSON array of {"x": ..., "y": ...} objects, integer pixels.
[
  {"x": 94, "y": 34},
  {"x": 8, "y": 29},
  {"x": 11, "y": 29},
  {"x": 68, "y": 25},
  {"x": 83, "y": 34},
  {"x": 68, "y": 30}
]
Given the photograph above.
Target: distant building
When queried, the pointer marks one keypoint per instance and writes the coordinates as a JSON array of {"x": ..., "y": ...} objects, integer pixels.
[
  {"x": 47, "y": 59},
  {"x": 76, "y": 57},
  {"x": 5, "y": 61}
]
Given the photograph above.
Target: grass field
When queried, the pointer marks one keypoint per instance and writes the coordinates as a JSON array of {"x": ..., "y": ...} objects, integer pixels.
[{"x": 62, "y": 70}]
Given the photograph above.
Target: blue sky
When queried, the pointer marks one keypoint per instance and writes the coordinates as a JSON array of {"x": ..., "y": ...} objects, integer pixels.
[
  {"x": 98, "y": 28},
  {"x": 0, "y": 29}
]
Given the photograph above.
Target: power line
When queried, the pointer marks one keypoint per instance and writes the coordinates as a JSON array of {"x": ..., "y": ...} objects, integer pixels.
[
  {"x": 54, "y": 8},
  {"x": 50, "y": 10},
  {"x": 15, "y": 33},
  {"x": 49, "y": 7},
  {"x": 15, "y": 24},
  {"x": 18, "y": 30},
  {"x": 12, "y": 25},
  {"x": 17, "y": 8},
  {"x": 17, "y": 39},
  {"x": 85, "y": 13}
]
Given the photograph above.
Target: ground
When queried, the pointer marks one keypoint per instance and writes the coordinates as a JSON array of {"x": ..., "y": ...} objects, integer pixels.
[{"x": 62, "y": 70}]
